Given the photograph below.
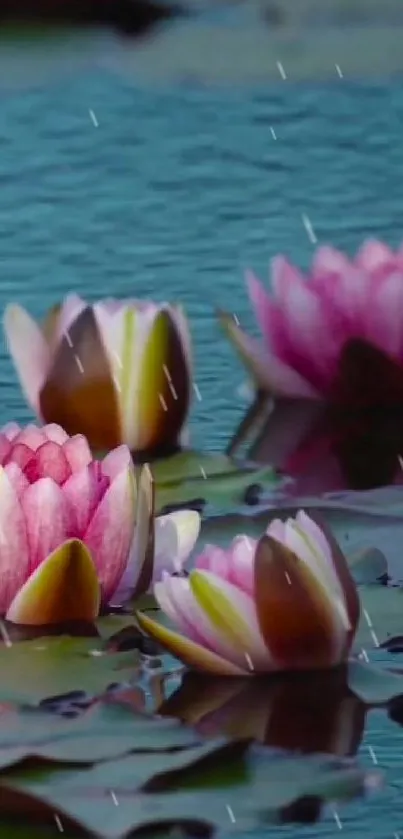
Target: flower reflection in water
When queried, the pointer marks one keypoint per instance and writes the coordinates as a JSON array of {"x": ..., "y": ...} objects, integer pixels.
[
  {"x": 353, "y": 441},
  {"x": 308, "y": 713}
]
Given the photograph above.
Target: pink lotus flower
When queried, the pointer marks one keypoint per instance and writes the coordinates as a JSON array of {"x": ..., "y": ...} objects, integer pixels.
[
  {"x": 306, "y": 322},
  {"x": 332, "y": 340},
  {"x": 287, "y": 602},
  {"x": 76, "y": 533},
  {"x": 115, "y": 371}
]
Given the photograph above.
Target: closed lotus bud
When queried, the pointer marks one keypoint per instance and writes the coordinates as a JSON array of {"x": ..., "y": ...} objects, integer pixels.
[{"x": 116, "y": 371}]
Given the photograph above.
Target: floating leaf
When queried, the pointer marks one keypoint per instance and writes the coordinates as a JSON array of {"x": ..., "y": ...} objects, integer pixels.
[
  {"x": 381, "y": 615},
  {"x": 374, "y": 685},
  {"x": 201, "y": 478},
  {"x": 267, "y": 785},
  {"x": 33, "y": 670},
  {"x": 105, "y": 731}
]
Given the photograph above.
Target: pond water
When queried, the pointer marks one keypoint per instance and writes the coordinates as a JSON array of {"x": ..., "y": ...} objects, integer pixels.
[{"x": 109, "y": 188}]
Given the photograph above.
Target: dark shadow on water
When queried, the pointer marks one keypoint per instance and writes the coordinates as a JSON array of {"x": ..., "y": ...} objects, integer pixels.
[{"x": 134, "y": 18}]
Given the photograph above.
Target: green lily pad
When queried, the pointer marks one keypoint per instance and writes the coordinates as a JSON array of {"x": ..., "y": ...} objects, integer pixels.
[
  {"x": 34, "y": 670},
  {"x": 381, "y": 615},
  {"x": 213, "y": 479},
  {"x": 105, "y": 731},
  {"x": 374, "y": 685},
  {"x": 109, "y": 800}
]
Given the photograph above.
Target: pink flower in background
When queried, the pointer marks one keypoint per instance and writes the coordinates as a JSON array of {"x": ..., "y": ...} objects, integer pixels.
[
  {"x": 76, "y": 532},
  {"x": 307, "y": 321},
  {"x": 287, "y": 602},
  {"x": 332, "y": 360}
]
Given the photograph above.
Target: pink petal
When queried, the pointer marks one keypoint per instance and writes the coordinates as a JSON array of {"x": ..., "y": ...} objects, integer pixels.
[
  {"x": 49, "y": 462},
  {"x": 162, "y": 594},
  {"x": 11, "y": 429},
  {"x": 117, "y": 460},
  {"x": 328, "y": 262},
  {"x": 237, "y": 625},
  {"x": 14, "y": 554},
  {"x": 46, "y": 519},
  {"x": 55, "y": 432},
  {"x": 30, "y": 436},
  {"x": 83, "y": 492},
  {"x": 269, "y": 372},
  {"x": 375, "y": 257},
  {"x": 269, "y": 317},
  {"x": 384, "y": 320},
  {"x": 241, "y": 570},
  {"x": 5, "y": 447},
  {"x": 29, "y": 351},
  {"x": 110, "y": 533},
  {"x": 307, "y": 325},
  {"x": 214, "y": 559},
  {"x": 194, "y": 622},
  {"x": 17, "y": 479},
  {"x": 20, "y": 454},
  {"x": 77, "y": 452}
]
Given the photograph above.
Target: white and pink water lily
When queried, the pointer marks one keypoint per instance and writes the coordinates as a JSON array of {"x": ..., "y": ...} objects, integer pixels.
[
  {"x": 76, "y": 533},
  {"x": 286, "y": 602},
  {"x": 115, "y": 371}
]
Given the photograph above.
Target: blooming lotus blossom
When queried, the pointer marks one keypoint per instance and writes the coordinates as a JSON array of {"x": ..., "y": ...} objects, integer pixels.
[
  {"x": 76, "y": 533},
  {"x": 332, "y": 357},
  {"x": 306, "y": 322},
  {"x": 116, "y": 371},
  {"x": 286, "y": 602}
]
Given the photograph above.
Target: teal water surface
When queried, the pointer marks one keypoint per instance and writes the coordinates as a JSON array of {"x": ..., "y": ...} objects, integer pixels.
[{"x": 171, "y": 195}]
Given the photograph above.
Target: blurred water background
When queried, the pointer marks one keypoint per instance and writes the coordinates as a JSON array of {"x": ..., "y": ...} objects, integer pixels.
[{"x": 130, "y": 174}]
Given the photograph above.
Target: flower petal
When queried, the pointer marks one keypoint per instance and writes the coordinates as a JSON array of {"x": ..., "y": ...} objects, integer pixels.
[
  {"x": 77, "y": 452},
  {"x": 193, "y": 655},
  {"x": 29, "y": 351},
  {"x": 160, "y": 406},
  {"x": 46, "y": 518},
  {"x": 268, "y": 372},
  {"x": 110, "y": 532},
  {"x": 56, "y": 433},
  {"x": 192, "y": 620},
  {"x": 295, "y": 615},
  {"x": 79, "y": 393},
  {"x": 49, "y": 462},
  {"x": 142, "y": 549},
  {"x": 115, "y": 461},
  {"x": 342, "y": 570},
  {"x": 178, "y": 315},
  {"x": 175, "y": 537},
  {"x": 83, "y": 492},
  {"x": 232, "y": 613},
  {"x": 30, "y": 436},
  {"x": 63, "y": 588},
  {"x": 14, "y": 552},
  {"x": 300, "y": 542},
  {"x": 10, "y": 430}
]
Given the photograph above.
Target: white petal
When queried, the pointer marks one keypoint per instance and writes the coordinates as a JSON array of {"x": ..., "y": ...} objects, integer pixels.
[
  {"x": 29, "y": 351},
  {"x": 306, "y": 550},
  {"x": 175, "y": 537}
]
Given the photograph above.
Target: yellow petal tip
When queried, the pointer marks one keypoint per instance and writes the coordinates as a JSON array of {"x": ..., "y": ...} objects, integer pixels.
[{"x": 63, "y": 589}]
